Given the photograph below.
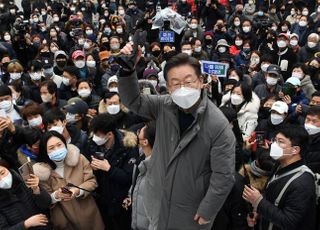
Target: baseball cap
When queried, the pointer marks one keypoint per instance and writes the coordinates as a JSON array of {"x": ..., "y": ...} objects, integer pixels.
[
  {"x": 77, "y": 53},
  {"x": 284, "y": 35},
  {"x": 150, "y": 73},
  {"x": 104, "y": 55},
  {"x": 76, "y": 106},
  {"x": 294, "y": 81},
  {"x": 294, "y": 35},
  {"x": 280, "y": 107},
  {"x": 274, "y": 69}
]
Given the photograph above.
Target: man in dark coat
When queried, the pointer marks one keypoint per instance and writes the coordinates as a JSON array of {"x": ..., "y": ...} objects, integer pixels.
[{"x": 289, "y": 200}]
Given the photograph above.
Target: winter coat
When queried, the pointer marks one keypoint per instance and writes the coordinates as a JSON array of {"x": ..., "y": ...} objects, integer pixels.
[
  {"x": 197, "y": 33},
  {"x": 297, "y": 207},
  {"x": 307, "y": 53},
  {"x": 264, "y": 92},
  {"x": 139, "y": 215},
  {"x": 307, "y": 86},
  {"x": 47, "y": 106},
  {"x": 298, "y": 99},
  {"x": 18, "y": 203},
  {"x": 92, "y": 101},
  {"x": 247, "y": 115},
  {"x": 185, "y": 181},
  {"x": 65, "y": 92},
  {"x": 313, "y": 156},
  {"x": 79, "y": 213},
  {"x": 114, "y": 184},
  {"x": 286, "y": 60}
]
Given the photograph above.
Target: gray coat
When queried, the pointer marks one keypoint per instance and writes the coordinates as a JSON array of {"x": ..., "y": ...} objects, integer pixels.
[
  {"x": 139, "y": 216},
  {"x": 190, "y": 173}
]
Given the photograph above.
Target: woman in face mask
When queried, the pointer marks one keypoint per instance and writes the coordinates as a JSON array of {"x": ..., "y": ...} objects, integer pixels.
[
  {"x": 248, "y": 33},
  {"x": 299, "y": 71},
  {"x": 254, "y": 65},
  {"x": 86, "y": 93},
  {"x": 246, "y": 103},
  {"x": 17, "y": 195},
  {"x": 243, "y": 58},
  {"x": 32, "y": 113},
  {"x": 15, "y": 71},
  {"x": 236, "y": 48},
  {"x": 313, "y": 67},
  {"x": 67, "y": 176},
  {"x": 19, "y": 93}
]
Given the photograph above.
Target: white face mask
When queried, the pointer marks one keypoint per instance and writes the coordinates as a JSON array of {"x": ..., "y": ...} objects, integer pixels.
[
  {"x": 305, "y": 12},
  {"x": 113, "y": 109},
  {"x": 276, "y": 151},
  {"x": 193, "y": 26},
  {"x": 6, "y": 182},
  {"x": 35, "y": 122},
  {"x": 297, "y": 75},
  {"x": 236, "y": 99},
  {"x": 312, "y": 44},
  {"x": 81, "y": 41},
  {"x": 189, "y": 52},
  {"x": 312, "y": 129},
  {"x": 272, "y": 81},
  {"x": 197, "y": 49},
  {"x": 98, "y": 140},
  {"x": 58, "y": 129},
  {"x": 91, "y": 64},
  {"x": 71, "y": 118},
  {"x": 7, "y": 37},
  {"x": 56, "y": 19},
  {"x": 255, "y": 60},
  {"x": 236, "y": 23},
  {"x": 238, "y": 42},
  {"x": 114, "y": 89},
  {"x": 119, "y": 30},
  {"x": 185, "y": 97},
  {"x": 6, "y": 105},
  {"x": 46, "y": 98},
  {"x": 264, "y": 67},
  {"x": 80, "y": 64},
  {"x": 293, "y": 42},
  {"x": 84, "y": 92},
  {"x": 246, "y": 29},
  {"x": 15, "y": 76},
  {"x": 121, "y": 12},
  {"x": 36, "y": 76},
  {"x": 281, "y": 44},
  {"x": 114, "y": 47},
  {"x": 222, "y": 49},
  {"x": 86, "y": 46},
  {"x": 302, "y": 23},
  {"x": 235, "y": 77},
  {"x": 276, "y": 119},
  {"x": 153, "y": 82},
  {"x": 89, "y": 32},
  {"x": 66, "y": 81}
]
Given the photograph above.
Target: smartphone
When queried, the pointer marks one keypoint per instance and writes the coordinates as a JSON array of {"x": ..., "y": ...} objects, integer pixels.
[
  {"x": 25, "y": 170},
  {"x": 288, "y": 90},
  {"x": 99, "y": 155},
  {"x": 260, "y": 138},
  {"x": 305, "y": 108},
  {"x": 65, "y": 190}
]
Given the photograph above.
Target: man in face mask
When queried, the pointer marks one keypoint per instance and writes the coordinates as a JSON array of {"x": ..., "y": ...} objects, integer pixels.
[
  {"x": 271, "y": 87},
  {"x": 7, "y": 108},
  {"x": 186, "y": 48},
  {"x": 185, "y": 115},
  {"x": 112, "y": 154},
  {"x": 68, "y": 88},
  {"x": 76, "y": 111},
  {"x": 290, "y": 187},
  {"x": 310, "y": 48},
  {"x": 285, "y": 57},
  {"x": 312, "y": 125},
  {"x": 198, "y": 52},
  {"x": 78, "y": 58}
]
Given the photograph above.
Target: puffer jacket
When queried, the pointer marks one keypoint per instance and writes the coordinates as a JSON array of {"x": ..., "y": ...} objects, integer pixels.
[{"x": 307, "y": 86}]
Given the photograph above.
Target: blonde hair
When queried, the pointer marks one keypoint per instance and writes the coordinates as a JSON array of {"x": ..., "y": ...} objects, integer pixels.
[{"x": 15, "y": 67}]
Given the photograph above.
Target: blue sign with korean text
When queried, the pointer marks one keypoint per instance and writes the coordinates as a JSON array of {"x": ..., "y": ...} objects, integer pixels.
[
  {"x": 214, "y": 68},
  {"x": 166, "y": 36}
]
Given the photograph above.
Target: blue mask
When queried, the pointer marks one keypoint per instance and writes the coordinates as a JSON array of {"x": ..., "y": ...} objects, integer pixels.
[{"x": 58, "y": 155}]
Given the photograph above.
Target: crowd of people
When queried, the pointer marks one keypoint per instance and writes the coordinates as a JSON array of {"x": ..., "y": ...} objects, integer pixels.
[{"x": 122, "y": 136}]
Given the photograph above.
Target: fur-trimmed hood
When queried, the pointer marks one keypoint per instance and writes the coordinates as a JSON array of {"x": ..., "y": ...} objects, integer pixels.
[
  {"x": 43, "y": 170},
  {"x": 256, "y": 182},
  {"x": 130, "y": 140}
]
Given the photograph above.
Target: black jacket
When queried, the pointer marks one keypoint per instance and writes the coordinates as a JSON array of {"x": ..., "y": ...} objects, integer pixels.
[
  {"x": 79, "y": 138},
  {"x": 19, "y": 203},
  {"x": 47, "y": 106},
  {"x": 313, "y": 155},
  {"x": 233, "y": 214},
  {"x": 65, "y": 92},
  {"x": 114, "y": 184},
  {"x": 296, "y": 209}
]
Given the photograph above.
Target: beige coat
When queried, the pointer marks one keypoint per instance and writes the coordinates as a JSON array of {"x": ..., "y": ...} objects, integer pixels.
[{"x": 80, "y": 213}]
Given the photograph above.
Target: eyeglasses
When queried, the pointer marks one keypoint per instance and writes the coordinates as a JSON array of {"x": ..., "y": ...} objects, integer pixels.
[{"x": 187, "y": 83}]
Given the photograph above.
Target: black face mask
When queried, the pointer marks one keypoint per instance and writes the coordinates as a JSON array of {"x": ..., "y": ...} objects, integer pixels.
[
  {"x": 313, "y": 70},
  {"x": 156, "y": 53},
  {"x": 45, "y": 54},
  {"x": 264, "y": 112},
  {"x": 208, "y": 41},
  {"x": 61, "y": 64}
]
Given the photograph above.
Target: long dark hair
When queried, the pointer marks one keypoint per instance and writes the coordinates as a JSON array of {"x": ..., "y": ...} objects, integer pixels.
[{"x": 43, "y": 153}]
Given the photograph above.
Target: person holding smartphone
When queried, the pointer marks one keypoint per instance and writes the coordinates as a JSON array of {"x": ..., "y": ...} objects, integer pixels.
[
  {"x": 23, "y": 205},
  {"x": 61, "y": 164}
]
